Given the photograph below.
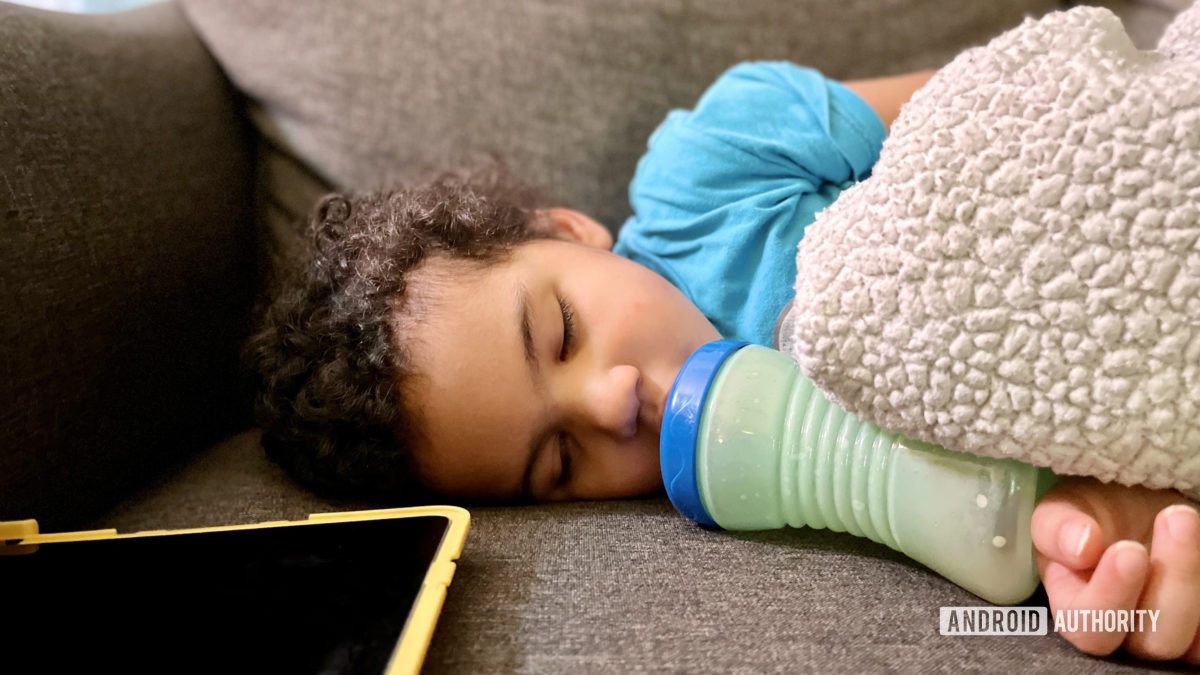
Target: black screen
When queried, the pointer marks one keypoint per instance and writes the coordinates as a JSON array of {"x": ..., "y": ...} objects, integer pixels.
[{"x": 321, "y": 598}]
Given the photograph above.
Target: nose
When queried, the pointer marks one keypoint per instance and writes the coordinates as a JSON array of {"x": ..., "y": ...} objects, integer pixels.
[{"x": 609, "y": 400}]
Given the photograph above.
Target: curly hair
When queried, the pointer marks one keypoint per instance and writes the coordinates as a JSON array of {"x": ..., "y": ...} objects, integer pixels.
[{"x": 329, "y": 366}]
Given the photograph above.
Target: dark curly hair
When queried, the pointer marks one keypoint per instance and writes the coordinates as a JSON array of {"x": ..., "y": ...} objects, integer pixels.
[{"x": 329, "y": 367}]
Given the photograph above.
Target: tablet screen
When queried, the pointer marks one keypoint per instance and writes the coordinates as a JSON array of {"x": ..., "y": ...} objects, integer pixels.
[{"x": 321, "y": 598}]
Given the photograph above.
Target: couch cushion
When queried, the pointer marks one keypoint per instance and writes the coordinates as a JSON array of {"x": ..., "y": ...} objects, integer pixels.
[
  {"x": 354, "y": 93},
  {"x": 629, "y": 586},
  {"x": 126, "y": 269},
  {"x": 231, "y": 483}
]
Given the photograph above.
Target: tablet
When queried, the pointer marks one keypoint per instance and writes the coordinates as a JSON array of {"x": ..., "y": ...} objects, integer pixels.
[{"x": 352, "y": 592}]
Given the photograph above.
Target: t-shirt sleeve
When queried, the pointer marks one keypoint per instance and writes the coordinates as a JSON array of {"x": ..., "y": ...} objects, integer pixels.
[{"x": 724, "y": 191}]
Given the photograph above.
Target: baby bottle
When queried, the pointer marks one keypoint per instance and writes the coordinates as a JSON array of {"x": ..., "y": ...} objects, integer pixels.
[{"x": 749, "y": 443}]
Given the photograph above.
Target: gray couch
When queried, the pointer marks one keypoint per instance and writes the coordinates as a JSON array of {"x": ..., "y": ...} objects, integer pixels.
[{"x": 156, "y": 161}]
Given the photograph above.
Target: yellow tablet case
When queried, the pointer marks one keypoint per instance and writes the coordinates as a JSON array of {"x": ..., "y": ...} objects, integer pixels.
[{"x": 18, "y": 536}]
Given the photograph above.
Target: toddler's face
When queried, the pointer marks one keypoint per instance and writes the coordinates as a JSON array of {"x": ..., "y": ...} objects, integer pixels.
[{"x": 544, "y": 377}]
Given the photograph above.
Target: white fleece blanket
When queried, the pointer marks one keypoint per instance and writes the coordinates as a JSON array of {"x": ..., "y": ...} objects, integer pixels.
[{"x": 1020, "y": 276}]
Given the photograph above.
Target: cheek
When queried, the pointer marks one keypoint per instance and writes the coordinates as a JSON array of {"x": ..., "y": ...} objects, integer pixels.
[
  {"x": 617, "y": 310},
  {"x": 648, "y": 299}
]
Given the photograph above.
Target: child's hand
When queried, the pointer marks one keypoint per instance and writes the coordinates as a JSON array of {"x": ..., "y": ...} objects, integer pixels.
[{"x": 1108, "y": 546}]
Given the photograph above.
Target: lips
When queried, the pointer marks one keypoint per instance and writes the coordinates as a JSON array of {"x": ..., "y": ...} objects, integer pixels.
[
  {"x": 656, "y": 415},
  {"x": 651, "y": 412}
]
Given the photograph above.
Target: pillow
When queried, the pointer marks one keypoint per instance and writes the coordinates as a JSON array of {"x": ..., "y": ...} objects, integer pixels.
[
  {"x": 356, "y": 94},
  {"x": 1020, "y": 276}
]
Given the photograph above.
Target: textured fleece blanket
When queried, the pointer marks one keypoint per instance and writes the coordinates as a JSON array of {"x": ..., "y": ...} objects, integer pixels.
[{"x": 1020, "y": 276}]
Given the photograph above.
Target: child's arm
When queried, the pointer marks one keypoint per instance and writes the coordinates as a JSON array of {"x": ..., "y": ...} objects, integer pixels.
[
  {"x": 1108, "y": 546},
  {"x": 885, "y": 95}
]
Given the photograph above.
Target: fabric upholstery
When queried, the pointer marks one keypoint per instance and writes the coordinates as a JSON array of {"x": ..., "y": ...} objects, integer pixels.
[
  {"x": 360, "y": 92},
  {"x": 631, "y": 586},
  {"x": 127, "y": 268}
]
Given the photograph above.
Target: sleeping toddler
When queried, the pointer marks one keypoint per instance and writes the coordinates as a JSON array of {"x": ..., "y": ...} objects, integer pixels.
[{"x": 463, "y": 338}]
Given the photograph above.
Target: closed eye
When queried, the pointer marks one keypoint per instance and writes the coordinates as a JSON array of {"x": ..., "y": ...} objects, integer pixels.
[
  {"x": 568, "y": 339},
  {"x": 564, "y": 474}
]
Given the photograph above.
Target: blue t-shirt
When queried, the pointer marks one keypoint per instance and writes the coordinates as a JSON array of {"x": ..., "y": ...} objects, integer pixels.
[{"x": 724, "y": 192}]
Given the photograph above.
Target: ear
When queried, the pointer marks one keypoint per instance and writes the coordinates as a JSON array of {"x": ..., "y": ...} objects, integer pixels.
[{"x": 575, "y": 226}]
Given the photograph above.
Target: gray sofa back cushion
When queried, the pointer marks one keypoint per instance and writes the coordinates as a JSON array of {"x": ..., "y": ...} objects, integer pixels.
[
  {"x": 126, "y": 269},
  {"x": 567, "y": 93}
]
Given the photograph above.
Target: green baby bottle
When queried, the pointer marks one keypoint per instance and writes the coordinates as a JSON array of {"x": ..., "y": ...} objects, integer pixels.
[{"x": 749, "y": 443}]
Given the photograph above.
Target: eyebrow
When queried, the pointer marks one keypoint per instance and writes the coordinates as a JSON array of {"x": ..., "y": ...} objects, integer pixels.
[{"x": 526, "y": 328}]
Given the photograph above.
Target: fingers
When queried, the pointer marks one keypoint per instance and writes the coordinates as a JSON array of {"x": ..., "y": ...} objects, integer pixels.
[
  {"x": 1153, "y": 565},
  {"x": 1090, "y": 516},
  {"x": 1173, "y": 586},
  {"x": 1116, "y": 583},
  {"x": 1193, "y": 653},
  {"x": 1063, "y": 532}
]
